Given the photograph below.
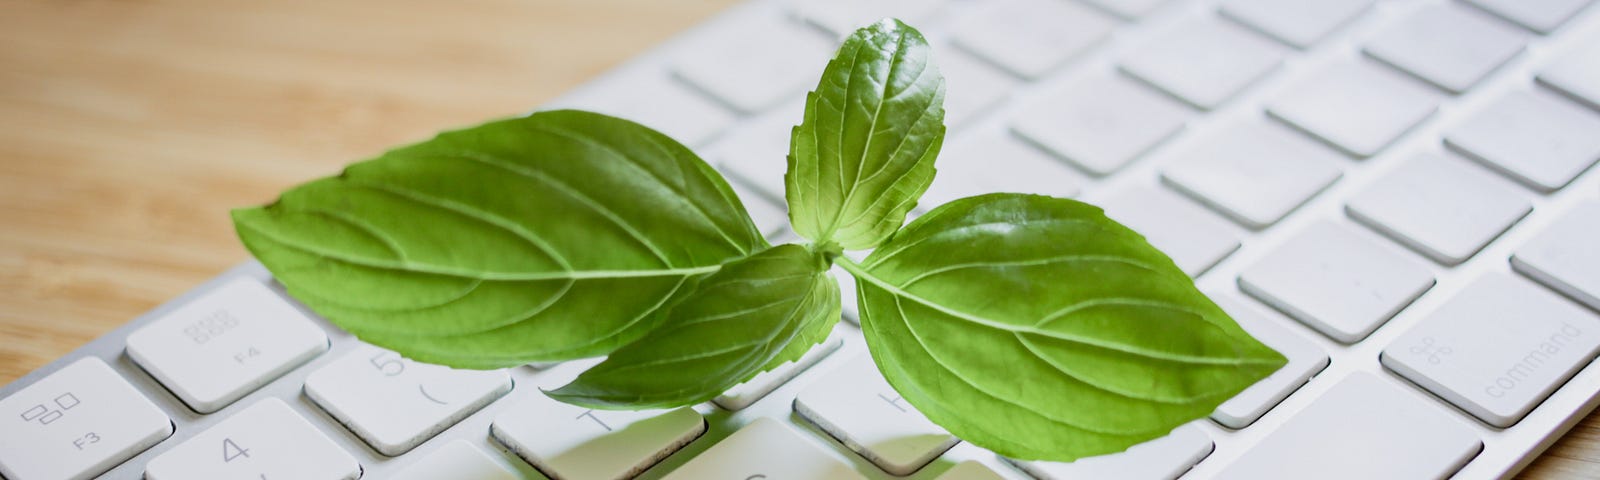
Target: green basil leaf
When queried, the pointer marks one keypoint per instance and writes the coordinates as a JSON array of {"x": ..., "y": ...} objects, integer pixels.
[
  {"x": 560, "y": 235},
  {"x": 751, "y": 316},
  {"x": 864, "y": 153},
  {"x": 1040, "y": 329}
]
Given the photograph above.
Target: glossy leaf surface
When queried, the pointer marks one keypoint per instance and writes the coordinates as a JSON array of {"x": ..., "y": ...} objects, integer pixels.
[
  {"x": 864, "y": 153},
  {"x": 753, "y": 315},
  {"x": 560, "y": 235},
  {"x": 1040, "y": 329}
]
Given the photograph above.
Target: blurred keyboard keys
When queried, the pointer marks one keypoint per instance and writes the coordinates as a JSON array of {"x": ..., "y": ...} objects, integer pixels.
[
  {"x": 1448, "y": 45},
  {"x": 1204, "y": 62},
  {"x": 1032, "y": 37},
  {"x": 1358, "y": 107},
  {"x": 1565, "y": 256},
  {"x": 1101, "y": 123},
  {"x": 1440, "y": 206},
  {"x": 1255, "y": 172}
]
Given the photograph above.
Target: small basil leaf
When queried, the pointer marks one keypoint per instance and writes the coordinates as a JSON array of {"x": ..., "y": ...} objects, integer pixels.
[
  {"x": 560, "y": 235},
  {"x": 864, "y": 153},
  {"x": 1040, "y": 329},
  {"x": 751, "y": 316}
]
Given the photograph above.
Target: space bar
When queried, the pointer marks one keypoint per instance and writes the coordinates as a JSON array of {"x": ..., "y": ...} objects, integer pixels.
[{"x": 1367, "y": 428}]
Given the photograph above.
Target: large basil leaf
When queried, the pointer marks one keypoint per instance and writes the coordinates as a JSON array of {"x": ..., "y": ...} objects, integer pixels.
[
  {"x": 1039, "y": 329},
  {"x": 560, "y": 235},
  {"x": 751, "y": 316},
  {"x": 864, "y": 153}
]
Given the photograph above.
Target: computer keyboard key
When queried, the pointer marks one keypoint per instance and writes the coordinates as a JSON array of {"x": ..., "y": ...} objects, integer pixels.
[
  {"x": 267, "y": 440},
  {"x": 1255, "y": 172},
  {"x": 755, "y": 65},
  {"x": 1300, "y": 23},
  {"x": 1565, "y": 256},
  {"x": 1101, "y": 123},
  {"x": 770, "y": 218},
  {"x": 842, "y": 17},
  {"x": 969, "y": 470},
  {"x": 1364, "y": 427},
  {"x": 657, "y": 101},
  {"x": 1448, "y": 45},
  {"x": 1204, "y": 62},
  {"x": 1336, "y": 281},
  {"x": 854, "y": 404},
  {"x": 971, "y": 86},
  {"x": 1195, "y": 238},
  {"x": 1577, "y": 75},
  {"x": 394, "y": 404},
  {"x": 1440, "y": 206},
  {"x": 1164, "y": 458},
  {"x": 1533, "y": 137},
  {"x": 76, "y": 423},
  {"x": 1128, "y": 9},
  {"x": 765, "y": 449},
  {"x": 1032, "y": 37},
  {"x": 998, "y": 162},
  {"x": 576, "y": 443},
  {"x": 1542, "y": 16},
  {"x": 221, "y": 346},
  {"x": 757, "y": 154},
  {"x": 456, "y": 459},
  {"x": 1497, "y": 348},
  {"x": 742, "y": 395},
  {"x": 1356, "y": 106},
  {"x": 1306, "y": 359}
]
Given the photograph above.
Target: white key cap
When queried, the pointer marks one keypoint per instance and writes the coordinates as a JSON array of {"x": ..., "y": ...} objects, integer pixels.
[
  {"x": 1448, "y": 45},
  {"x": 1164, "y": 458},
  {"x": 1305, "y": 361},
  {"x": 1296, "y": 22},
  {"x": 971, "y": 86},
  {"x": 1032, "y": 37},
  {"x": 1129, "y": 9},
  {"x": 998, "y": 162},
  {"x": 75, "y": 424},
  {"x": 1564, "y": 256},
  {"x": 1356, "y": 106},
  {"x": 1204, "y": 62},
  {"x": 1439, "y": 206},
  {"x": 656, "y": 101},
  {"x": 1101, "y": 123},
  {"x": 266, "y": 440},
  {"x": 843, "y": 17},
  {"x": 395, "y": 404},
  {"x": 757, "y": 154},
  {"x": 219, "y": 347},
  {"x": 1338, "y": 282},
  {"x": 769, "y": 450},
  {"x": 1542, "y": 16},
  {"x": 1196, "y": 239},
  {"x": 456, "y": 459},
  {"x": 744, "y": 394},
  {"x": 770, "y": 219},
  {"x": 1577, "y": 75},
  {"x": 755, "y": 65},
  {"x": 1497, "y": 348},
  {"x": 1533, "y": 137},
  {"x": 571, "y": 442},
  {"x": 969, "y": 470},
  {"x": 857, "y": 406},
  {"x": 1255, "y": 172},
  {"x": 1366, "y": 428}
]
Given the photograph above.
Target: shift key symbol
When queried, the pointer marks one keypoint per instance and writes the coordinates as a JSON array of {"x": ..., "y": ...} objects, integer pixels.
[{"x": 1431, "y": 349}]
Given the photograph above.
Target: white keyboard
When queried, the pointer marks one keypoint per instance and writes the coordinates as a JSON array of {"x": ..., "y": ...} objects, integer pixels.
[{"x": 1399, "y": 195}]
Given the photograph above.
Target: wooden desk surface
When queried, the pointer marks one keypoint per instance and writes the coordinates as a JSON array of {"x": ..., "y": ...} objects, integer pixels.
[{"x": 129, "y": 128}]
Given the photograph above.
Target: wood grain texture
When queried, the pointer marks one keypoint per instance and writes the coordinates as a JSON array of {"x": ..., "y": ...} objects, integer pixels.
[{"x": 128, "y": 128}]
